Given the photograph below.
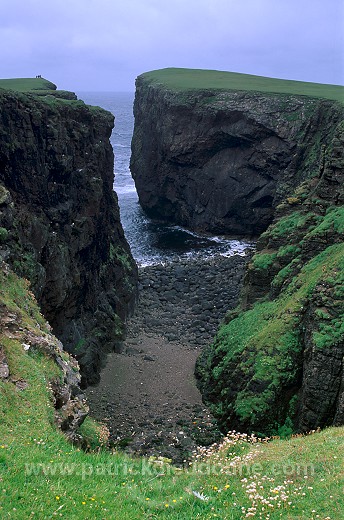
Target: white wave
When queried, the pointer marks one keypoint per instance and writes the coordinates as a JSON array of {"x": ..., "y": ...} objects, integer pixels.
[
  {"x": 118, "y": 145},
  {"x": 124, "y": 189}
]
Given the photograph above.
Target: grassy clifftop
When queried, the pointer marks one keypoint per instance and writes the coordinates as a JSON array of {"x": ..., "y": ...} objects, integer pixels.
[
  {"x": 198, "y": 79},
  {"x": 27, "y": 84},
  {"x": 36, "y": 86},
  {"x": 43, "y": 476}
]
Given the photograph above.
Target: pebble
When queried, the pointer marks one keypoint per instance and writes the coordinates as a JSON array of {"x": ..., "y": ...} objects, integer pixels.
[
  {"x": 186, "y": 300},
  {"x": 184, "y": 303}
]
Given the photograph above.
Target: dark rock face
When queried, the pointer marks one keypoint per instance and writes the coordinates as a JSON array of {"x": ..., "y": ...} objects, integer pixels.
[
  {"x": 243, "y": 163},
  {"x": 59, "y": 220},
  {"x": 222, "y": 161}
]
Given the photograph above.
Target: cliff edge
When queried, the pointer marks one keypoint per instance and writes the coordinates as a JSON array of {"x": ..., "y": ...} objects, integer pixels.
[
  {"x": 219, "y": 151},
  {"x": 59, "y": 219}
]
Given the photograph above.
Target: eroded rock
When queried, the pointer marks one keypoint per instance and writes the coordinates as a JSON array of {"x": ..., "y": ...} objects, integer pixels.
[
  {"x": 4, "y": 370},
  {"x": 59, "y": 220},
  {"x": 221, "y": 161}
]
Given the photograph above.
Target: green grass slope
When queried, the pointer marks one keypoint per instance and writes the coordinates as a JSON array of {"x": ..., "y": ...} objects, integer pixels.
[
  {"x": 265, "y": 372},
  {"x": 37, "y": 86},
  {"x": 42, "y": 476},
  {"x": 198, "y": 79},
  {"x": 27, "y": 84}
]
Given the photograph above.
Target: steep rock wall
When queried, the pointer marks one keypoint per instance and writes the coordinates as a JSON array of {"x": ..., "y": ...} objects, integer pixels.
[
  {"x": 249, "y": 163},
  {"x": 59, "y": 220},
  {"x": 276, "y": 366},
  {"x": 221, "y": 161}
]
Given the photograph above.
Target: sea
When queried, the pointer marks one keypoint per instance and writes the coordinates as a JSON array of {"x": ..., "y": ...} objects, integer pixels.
[{"x": 151, "y": 241}]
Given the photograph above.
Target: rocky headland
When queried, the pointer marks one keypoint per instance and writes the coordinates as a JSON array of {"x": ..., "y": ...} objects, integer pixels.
[
  {"x": 59, "y": 219},
  {"x": 221, "y": 159},
  {"x": 254, "y": 157},
  {"x": 240, "y": 161}
]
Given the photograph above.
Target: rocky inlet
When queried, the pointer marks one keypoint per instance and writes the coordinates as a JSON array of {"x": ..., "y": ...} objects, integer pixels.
[{"x": 147, "y": 395}]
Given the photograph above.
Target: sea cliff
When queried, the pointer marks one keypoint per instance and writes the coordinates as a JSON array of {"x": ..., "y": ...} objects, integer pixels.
[
  {"x": 59, "y": 219},
  {"x": 253, "y": 156},
  {"x": 221, "y": 159}
]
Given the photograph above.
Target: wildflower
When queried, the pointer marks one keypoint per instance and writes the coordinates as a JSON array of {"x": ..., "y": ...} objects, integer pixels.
[
  {"x": 200, "y": 496},
  {"x": 166, "y": 505},
  {"x": 57, "y": 497}
]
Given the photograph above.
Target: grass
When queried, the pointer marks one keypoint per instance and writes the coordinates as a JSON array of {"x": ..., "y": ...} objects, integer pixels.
[
  {"x": 39, "y": 87},
  {"x": 262, "y": 346},
  {"x": 27, "y": 84},
  {"x": 42, "y": 476},
  {"x": 196, "y": 79}
]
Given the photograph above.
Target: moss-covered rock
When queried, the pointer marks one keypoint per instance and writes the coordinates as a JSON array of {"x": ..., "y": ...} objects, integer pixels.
[{"x": 279, "y": 358}]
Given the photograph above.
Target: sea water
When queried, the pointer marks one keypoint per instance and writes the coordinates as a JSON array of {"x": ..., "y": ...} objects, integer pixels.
[{"x": 151, "y": 241}]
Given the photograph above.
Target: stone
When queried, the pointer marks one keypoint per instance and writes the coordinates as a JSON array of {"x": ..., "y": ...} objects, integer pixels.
[{"x": 4, "y": 369}]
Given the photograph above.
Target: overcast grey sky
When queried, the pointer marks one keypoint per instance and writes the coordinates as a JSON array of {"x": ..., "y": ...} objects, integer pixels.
[{"x": 105, "y": 44}]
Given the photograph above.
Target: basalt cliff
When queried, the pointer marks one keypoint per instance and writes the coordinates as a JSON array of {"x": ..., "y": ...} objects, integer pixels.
[
  {"x": 221, "y": 160},
  {"x": 59, "y": 219},
  {"x": 253, "y": 156}
]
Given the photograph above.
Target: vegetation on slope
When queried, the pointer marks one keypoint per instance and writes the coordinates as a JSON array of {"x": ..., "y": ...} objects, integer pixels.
[
  {"x": 27, "y": 84},
  {"x": 276, "y": 365},
  {"x": 198, "y": 79},
  {"x": 43, "y": 476},
  {"x": 264, "y": 346},
  {"x": 36, "y": 86}
]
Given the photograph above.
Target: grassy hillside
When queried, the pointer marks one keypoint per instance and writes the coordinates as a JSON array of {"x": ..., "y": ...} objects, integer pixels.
[
  {"x": 27, "y": 84},
  {"x": 38, "y": 86},
  {"x": 43, "y": 476},
  {"x": 194, "y": 79}
]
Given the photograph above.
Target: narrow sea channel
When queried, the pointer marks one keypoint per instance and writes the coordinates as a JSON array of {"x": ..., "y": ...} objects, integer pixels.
[{"x": 151, "y": 242}]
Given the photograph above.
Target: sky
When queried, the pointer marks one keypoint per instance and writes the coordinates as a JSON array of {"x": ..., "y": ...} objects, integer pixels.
[{"x": 103, "y": 45}]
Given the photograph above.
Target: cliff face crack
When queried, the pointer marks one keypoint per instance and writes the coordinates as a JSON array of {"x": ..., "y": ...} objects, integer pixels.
[{"x": 255, "y": 190}]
